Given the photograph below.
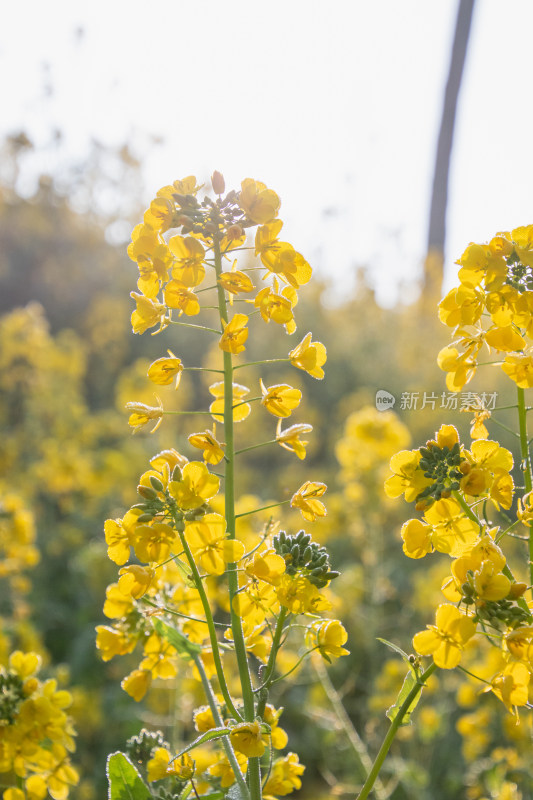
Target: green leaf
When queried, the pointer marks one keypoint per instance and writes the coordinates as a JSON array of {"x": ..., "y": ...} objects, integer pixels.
[
  {"x": 125, "y": 783},
  {"x": 185, "y": 648},
  {"x": 208, "y": 736},
  {"x": 235, "y": 793},
  {"x": 395, "y": 648},
  {"x": 409, "y": 683}
]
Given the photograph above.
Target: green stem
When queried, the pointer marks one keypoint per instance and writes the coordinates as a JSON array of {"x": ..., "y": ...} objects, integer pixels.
[
  {"x": 166, "y": 610},
  {"x": 505, "y": 427},
  {"x": 203, "y": 369},
  {"x": 191, "y": 325},
  {"x": 393, "y": 730},
  {"x": 257, "y": 363},
  {"x": 263, "y": 508},
  {"x": 254, "y": 772},
  {"x": 177, "y": 413},
  {"x": 466, "y": 508},
  {"x": 210, "y": 621},
  {"x": 358, "y": 746},
  {"x": 211, "y": 699},
  {"x": 526, "y": 464},
  {"x": 271, "y": 663},
  {"x": 254, "y": 447}
]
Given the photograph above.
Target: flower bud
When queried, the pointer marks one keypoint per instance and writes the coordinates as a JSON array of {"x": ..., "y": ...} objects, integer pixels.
[
  {"x": 147, "y": 492},
  {"x": 517, "y": 590},
  {"x": 156, "y": 483},
  {"x": 217, "y": 182},
  {"x": 176, "y": 474},
  {"x": 146, "y": 517}
]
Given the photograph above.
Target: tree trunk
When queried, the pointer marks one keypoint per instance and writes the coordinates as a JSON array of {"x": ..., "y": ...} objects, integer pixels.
[{"x": 434, "y": 264}]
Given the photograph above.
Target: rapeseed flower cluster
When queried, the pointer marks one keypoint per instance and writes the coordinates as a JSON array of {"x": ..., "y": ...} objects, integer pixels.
[
  {"x": 491, "y": 310},
  {"x": 36, "y": 734},
  {"x": 189, "y": 536},
  {"x": 463, "y": 493}
]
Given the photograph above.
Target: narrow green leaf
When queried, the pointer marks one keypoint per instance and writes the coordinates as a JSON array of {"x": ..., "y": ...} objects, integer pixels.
[
  {"x": 185, "y": 648},
  {"x": 395, "y": 648},
  {"x": 208, "y": 736},
  {"x": 409, "y": 683},
  {"x": 125, "y": 783}
]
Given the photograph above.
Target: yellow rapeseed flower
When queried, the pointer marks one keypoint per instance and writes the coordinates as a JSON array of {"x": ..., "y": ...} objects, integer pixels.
[
  {"x": 158, "y": 765},
  {"x": 284, "y": 776},
  {"x": 137, "y": 683},
  {"x": 142, "y": 415},
  {"x": 266, "y": 566},
  {"x": 154, "y": 543},
  {"x": 519, "y": 367},
  {"x": 329, "y": 636},
  {"x": 258, "y": 203},
  {"x": 197, "y": 486},
  {"x": 189, "y": 254},
  {"x": 511, "y": 685},
  {"x": 112, "y": 642},
  {"x": 309, "y": 356},
  {"x": 177, "y": 295},
  {"x": 148, "y": 313},
  {"x": 209, "y": 544},
  {"x": 119, "y": 536},
  {"x": 407, "y": 478},
  {"x": 446, "y": 639},
  {"x": 135, "y": 580},
  {"x": 306, "y": 500},
  {"x": 246, "y": 738},
  {"x": 213, "y": 451},
  {"x": 290, "y": 440},
  {"x": 236, "y": 282},
  {"x": 280, "y": 400},
  {"x": 277, "y": 307},
  {"x": 164, "y": 370},
  {"x": 240, "y": 409},
  {"x": 235, "y": 334}
]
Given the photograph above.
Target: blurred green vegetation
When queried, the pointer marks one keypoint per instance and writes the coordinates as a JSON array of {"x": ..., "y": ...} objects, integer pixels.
[{"x": 68, "y": 364}]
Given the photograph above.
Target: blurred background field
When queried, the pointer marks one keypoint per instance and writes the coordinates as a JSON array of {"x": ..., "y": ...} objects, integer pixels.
[{"x": 69, "y": 363}]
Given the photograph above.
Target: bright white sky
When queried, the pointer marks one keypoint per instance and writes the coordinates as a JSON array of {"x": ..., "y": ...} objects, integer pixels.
[{"x": 334, "y": 105}]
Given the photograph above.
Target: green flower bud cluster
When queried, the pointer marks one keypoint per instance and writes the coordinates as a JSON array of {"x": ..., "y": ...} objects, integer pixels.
[
  {"x": 494, "y": 612},
  {"x": 11, "y": 697},
  {"x": 141, "y": 748},
  {"x": 209, "y": 216},
  {"x": 304, "y": 557},
  {"x": 152, "y": 504},
  {"x": 503, "y": 611},
  {"x": 519, "y": 276},
  {"x": 440, "y": 464}
]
